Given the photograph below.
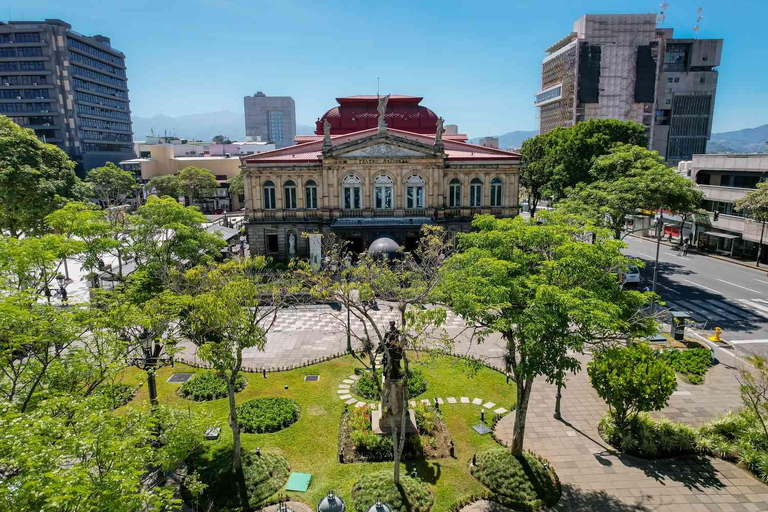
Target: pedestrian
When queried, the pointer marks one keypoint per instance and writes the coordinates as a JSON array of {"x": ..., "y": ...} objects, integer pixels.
[{"x": 685, "y": 248}]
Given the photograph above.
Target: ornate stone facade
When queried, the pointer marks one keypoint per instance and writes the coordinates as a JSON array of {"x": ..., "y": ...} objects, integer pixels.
[{"x": 373, "y": 184}]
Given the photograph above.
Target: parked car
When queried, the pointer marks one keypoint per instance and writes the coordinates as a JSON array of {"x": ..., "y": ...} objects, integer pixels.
[{"x": 630, "y": 277}]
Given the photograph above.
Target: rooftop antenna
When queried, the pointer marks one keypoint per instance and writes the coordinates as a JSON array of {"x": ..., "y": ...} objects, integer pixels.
[
  {"x": 662, "y": 14},
  {"x": 699, "y": 17}
]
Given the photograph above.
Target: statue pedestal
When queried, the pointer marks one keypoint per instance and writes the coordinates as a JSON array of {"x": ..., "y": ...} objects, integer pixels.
[{"x": 392, "y": 407}]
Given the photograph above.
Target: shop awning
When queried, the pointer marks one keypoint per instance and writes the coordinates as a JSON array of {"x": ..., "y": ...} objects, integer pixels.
[{"x": 727, "y": 236}]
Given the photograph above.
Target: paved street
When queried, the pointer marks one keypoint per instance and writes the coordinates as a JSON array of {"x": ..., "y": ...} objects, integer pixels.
[{"x": 715, "y": 293}]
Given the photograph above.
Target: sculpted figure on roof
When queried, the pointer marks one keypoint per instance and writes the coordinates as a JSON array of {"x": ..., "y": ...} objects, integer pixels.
[
  {"x": 326, "y": 133},
  {"x": 382, "y": 109},
  {"x": 439, "y": 132}
]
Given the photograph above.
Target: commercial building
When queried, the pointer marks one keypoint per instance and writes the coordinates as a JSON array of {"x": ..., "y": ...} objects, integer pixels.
[
  {"x": 724, "y": 179},
  {"x": 169, "y": 156},
  {"x": 369, "y": 179},
  {"x": 270, "y": 119},
  {"x": 621, "y": 66},
  {"x": 69, "y": 88}
]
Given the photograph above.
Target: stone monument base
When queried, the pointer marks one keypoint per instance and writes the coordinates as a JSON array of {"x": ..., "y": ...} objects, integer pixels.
[{"x": 383, "y": 427}]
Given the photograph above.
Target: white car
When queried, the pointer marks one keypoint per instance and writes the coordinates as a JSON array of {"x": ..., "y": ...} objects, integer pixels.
[{"x": 631, "y": 276}]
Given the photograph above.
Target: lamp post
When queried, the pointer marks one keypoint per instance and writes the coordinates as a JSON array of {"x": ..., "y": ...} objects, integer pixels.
[
  {"x": 659, "y": 229},
  {"x": 347, "y": 264},
  {"x": 760, "y": 247},
  {"x": 61, "y": 280},
  {"x": 150, "y": 362}
]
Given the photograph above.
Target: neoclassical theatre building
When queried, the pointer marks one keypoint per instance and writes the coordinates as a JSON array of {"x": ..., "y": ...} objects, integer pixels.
[{"x": 366, "y": 177}]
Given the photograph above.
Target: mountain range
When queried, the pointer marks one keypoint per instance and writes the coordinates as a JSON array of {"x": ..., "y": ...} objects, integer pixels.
[{"x": 232, "y": 125}]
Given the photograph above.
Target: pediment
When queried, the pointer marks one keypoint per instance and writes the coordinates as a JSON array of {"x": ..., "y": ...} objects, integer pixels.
[
  {"x": 382, "y": 146},
  {"x": 384, "y": 150}
]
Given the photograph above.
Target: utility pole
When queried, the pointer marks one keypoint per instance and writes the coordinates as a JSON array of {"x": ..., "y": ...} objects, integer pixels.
[
  {"x": 659, "y": 227},
  {"x": 760, "y": 247}
]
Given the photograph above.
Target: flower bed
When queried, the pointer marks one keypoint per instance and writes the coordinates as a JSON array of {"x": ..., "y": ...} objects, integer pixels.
[
  {"x": 692, "y": 363},
  {"x": 263, "y": 415},
  {"x": 206, "y": 386}
]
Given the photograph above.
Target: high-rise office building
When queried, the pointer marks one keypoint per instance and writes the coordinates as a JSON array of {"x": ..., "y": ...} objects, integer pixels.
[
  {"x": 621, "y": 66},
  {"x": 270, "y": 119},
  {"x": 69, "y": 88}
]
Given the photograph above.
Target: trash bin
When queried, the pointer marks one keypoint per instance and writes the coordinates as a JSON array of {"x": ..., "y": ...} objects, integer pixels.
[{"x": 679, "y": 319}]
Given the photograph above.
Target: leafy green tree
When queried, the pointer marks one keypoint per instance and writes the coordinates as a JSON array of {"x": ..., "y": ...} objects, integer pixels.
[
  {"x": 194, "y": 180},
  {"x": 35, "y": 179},
  {"x": 111, "y": 185},
  {"x": 407, "y": 283},
  {"x": 536, "y": 169},
  {"x": 74, "y": 454},
  {"x": 755, "y": 205},
  {"x": 31, "y": 263},
  {"x": 546, "y": 292},
  {"x": 563, "y": 157},
  {"x": 753, "y": 384},
  {"x": 166, "y": 185},
  {"x": 227, "y": 309},
  {"x": 631, "y": 380},
  {"x": 629, "y": 178},
  {"x": 221, "y": 139},
  {"x": 237, "y": 184}
]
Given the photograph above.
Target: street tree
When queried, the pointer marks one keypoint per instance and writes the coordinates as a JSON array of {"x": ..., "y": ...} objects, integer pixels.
[
  {"x": 755, "y": 205},
  {"x": 194, "y": 180},
  {"x": 221, "y": 139},
  {"x": 35, "y": 179},
  {"x": 165, "y": 185},
  {"x": 237, "y": 184},
  {"x": 631, "y": 380},
  {"x": 74, "y": 454},
  {"x": 536, "y": 169},
  {"x": 227, "y": 309},
  {"x": 629, "y": 178},
  {"x": 404, "y": 284},
  {"x": 546, "y": 291},
  {"x": 111, "y": 185},
  {"x": 32, "y": 263}
]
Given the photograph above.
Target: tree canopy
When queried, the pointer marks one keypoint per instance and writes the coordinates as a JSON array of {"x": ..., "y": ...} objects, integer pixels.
[
  {"x": 110, "y": 184},
  {"x": 35, "y": 179},
  {"x": 166, "y": 185},
  {"x": 193, "y": 180},
  {"x": 755, "y": 203}
]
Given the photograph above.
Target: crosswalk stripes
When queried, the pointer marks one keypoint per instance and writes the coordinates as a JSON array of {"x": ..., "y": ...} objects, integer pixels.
[{"x": 712, "y": 310}]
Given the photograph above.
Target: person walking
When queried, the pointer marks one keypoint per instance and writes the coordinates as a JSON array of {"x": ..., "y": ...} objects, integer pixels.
[{"x": 685, "y": 248}]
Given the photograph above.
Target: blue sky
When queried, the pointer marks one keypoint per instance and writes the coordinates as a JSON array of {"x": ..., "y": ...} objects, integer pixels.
[{"x": 476, "y": 63}]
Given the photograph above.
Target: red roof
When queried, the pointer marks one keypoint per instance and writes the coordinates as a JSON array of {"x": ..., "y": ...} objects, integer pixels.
[
  {"x": 312, "y": 151},
  {"x": 301, "y": 139},
  {"x": 356, "y": 113}
]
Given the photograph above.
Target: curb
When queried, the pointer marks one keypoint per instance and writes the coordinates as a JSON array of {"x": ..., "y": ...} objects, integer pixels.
[{"x": 713, "y": 256}]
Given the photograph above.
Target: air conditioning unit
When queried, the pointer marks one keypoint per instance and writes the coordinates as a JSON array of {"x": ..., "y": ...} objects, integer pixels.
[{"x": 18, "y": 97}]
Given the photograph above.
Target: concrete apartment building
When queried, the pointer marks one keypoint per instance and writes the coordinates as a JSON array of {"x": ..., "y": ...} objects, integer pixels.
[
  {"x": 724, "y": 179},
  {"x": 621, "y": 66},
  {"x": 69, "y": 88},
  {"x": 270, "y": 119}
]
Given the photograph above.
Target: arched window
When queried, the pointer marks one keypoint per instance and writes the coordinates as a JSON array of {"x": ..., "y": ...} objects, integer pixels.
[
  {"x": 269, "y": 195},
  {"x": 382, "y": 192},
  {"x": 414, "y": 192},
  {"x": 476, "y": 192},
  {"x": 496, "y": 192},
  {"x": 310, "y": 195},
  {"x": 352, "y": 193},
  {"x": 289, "y": 191},
  {"x": 454, "y": 193}
]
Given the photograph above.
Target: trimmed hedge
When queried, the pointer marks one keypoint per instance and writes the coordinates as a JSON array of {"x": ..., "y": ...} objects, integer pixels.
[
  {"x": 521, "y": 483},
  {"x": 373, "y": 486},
  {"x": 365, "y": 386},
  {"x": 264, "y": 415},
  {"x": 206, "y": 386}
]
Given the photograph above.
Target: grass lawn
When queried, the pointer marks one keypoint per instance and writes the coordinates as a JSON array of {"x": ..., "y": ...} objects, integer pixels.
[{"x": 310, "y": 444}]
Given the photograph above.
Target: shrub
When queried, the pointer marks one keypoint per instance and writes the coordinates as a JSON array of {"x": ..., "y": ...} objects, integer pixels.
[
  {"x": 208, "y": 386},
  {"x": 415, "y": 495},
  {"x": 693, "y": 363},
  {"x": 373, "y": 446},
  {"x": 738, "y": 437},
  {"x": 631, "y": 380},
  {"x": 263, "y": 415},
  {"x": 116, "y": 395},
  {"x": 365, "y": 386},
  {"x": 522, "y": 483},
  {"x": 646, "y": 437},
  {"x": 426, "y": 418}
]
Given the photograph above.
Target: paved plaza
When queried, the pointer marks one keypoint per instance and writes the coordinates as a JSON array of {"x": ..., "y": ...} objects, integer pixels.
[{"x": 594, "y": 476}]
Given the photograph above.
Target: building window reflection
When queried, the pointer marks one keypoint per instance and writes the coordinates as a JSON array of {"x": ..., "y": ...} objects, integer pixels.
[
  {"x": 454, "y": 193},
  {"x": 476, "y": 192},
  {"x": 383, "y": 192},
  {"x": 496, "y": 192},
  {"x": 269, "y": 195},
  {"x": 310, "y": 195},
  {"x": 289, "y": 190},
  {"x": 352, "y": 193},
  {"x": 414, "y": 192}
]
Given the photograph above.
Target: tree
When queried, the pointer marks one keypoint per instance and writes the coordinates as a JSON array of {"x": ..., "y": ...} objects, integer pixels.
[
  {"x": 630, "y": 178},
  {"x": 631, "y": 380},
  {"x": 755, "y": 205},
  {"x": 405, "y": 284},
  {"x": 221, "y": 139},
  {"x": 166, "y": 185},
  {"x": 194, "y": 180},
  {"x": 237, "y": 184},
  {"x": 35, "y": 179},
  {"x": 547, "y": 293},
  {"x": 229, "y": 308},
  {"x": 536, "y": 169},
  {"x": 74, "y": 454},
  {"x": 111, "y": 185},
  {"x": 31, "y": 263}
]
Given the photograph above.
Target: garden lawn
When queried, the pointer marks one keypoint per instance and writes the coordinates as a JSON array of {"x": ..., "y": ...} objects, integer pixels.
[{"x": 310, "y": 444}]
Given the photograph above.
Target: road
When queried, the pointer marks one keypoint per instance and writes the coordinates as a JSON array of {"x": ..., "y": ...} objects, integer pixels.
[{"x": 715, "y": 293}]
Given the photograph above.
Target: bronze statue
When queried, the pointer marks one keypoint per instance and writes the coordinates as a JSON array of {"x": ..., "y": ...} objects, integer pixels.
[{"x": 392, "y": 349}]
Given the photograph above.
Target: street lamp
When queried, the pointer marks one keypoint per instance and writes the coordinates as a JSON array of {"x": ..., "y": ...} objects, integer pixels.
[
  {"x": 60, "y": 279},
  {"x": 659, "y": 229},
  {"x": 347, "y": 264},
  {"x": 150, "y": 362}
]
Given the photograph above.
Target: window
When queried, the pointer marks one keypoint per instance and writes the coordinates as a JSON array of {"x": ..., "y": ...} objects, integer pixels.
[
  {"x": 382, "y": 189},
  {"x": 496, "y": 192},
  {"x": 93, "y": 75},
  {"x": 275, "y": 126},
  {"x": 27, "y": 37},
  {"x": 677, "y": 79},
  {"x": 352, "y": 195},
  {"x": 272, "y": 245},
  {"x": 454, "y": 194},
  {"x": 669, "y": 80},
  {"x": 289, "y": 190},
  {"x": 74, "y": 43},
  {"x": 310, "y": 195},
  {"x": 476, "y": 192},
  {"x": 269, "y": 196},
  {"x": 414, "y": 192},
  {"x": 703, "y": 79}
]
